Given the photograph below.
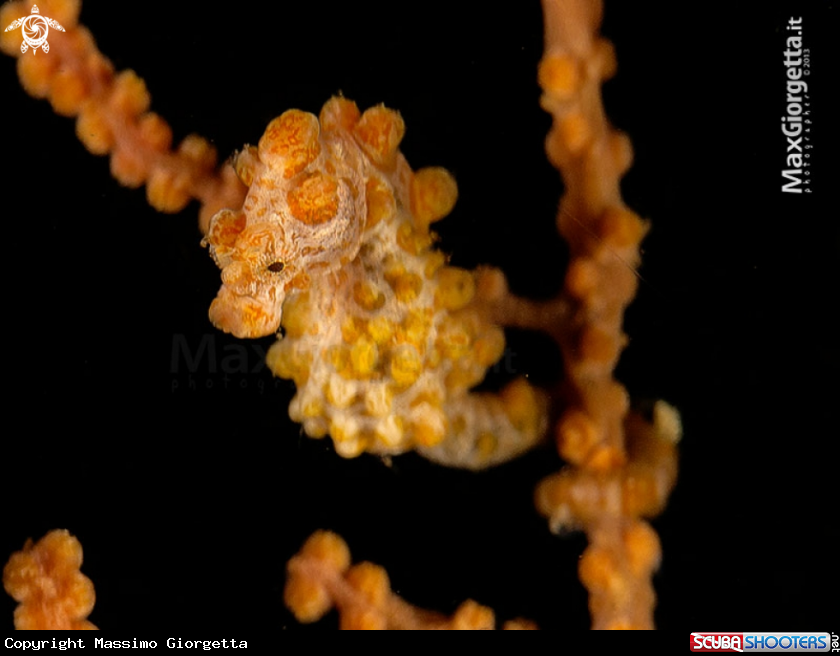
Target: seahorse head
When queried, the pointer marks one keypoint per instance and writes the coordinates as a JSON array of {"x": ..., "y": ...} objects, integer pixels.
[
  {"x": 302, "y": 219},
  {"x": 254, "y": 276}
]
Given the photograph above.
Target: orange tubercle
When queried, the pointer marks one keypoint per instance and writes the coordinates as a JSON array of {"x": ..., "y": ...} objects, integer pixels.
[
  {"x": 380, "y": 131},
  {"x": 314, "y": 199},
  {"x": 291, "y": 142}
]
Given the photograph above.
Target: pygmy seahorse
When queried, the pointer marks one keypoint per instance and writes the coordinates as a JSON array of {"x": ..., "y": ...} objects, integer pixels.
[{"x": 378, "y": 333}]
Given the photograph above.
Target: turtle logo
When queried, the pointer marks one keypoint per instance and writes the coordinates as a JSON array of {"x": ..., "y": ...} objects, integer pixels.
[{"x": 35, "y": 29}]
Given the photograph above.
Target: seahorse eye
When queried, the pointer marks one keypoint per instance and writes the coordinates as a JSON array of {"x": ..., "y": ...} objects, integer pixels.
[{"x": 277, "y": 267}]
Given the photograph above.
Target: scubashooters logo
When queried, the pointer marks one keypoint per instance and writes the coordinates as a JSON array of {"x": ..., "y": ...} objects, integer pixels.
[
  {"x": 796, "y": 123},
  {"x": 761, "y": 642}
]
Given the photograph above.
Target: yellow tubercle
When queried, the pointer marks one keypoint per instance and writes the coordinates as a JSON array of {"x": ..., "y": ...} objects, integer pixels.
[
  {"x": 368, "y": 296},
  {"x": 339, "y": 391},
  {"x": 433, "y": 262},
  {"x": 433, "y": 195},
  {"x": 429, "y": 424},
  {"x": 381, "y": 203},
  {"x": 415, "y": 328},
  {"x": 378, "y": 399},
  {"x": 380, "y": 329},
  {"x": 389, "y": 431},
  {"x": 287, "y": 360},
  {"x": 412, "y": 241},
  {"x": 406, "y": 365},
  {"x": 345, "y": 429},
  {"x": 364, "y": 356},
  {"x": 489, "y": 347},
  {"x": 522, "y": 402},
  {"x": 486, "y": 444},
  {"x": 454, "y": 338},
  {"x": 456, "y": 288},
  {"x": 297, "y": 319},
  {"x": 406, "y": 285},
  {"x": 308, "y": 406}
]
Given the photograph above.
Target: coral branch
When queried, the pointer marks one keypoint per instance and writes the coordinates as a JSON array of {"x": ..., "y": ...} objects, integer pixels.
[
  {"x": 603, "y": 235},
  {"x": 45, "y": 579},
  {"x": 320, "y": 577},
  {"x": 620, "y": 467},
  {"x": 113, "y": 117}
]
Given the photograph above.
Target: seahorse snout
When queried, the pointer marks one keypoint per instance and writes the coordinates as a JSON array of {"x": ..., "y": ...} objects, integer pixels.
[{"x": 243, "y": 316}]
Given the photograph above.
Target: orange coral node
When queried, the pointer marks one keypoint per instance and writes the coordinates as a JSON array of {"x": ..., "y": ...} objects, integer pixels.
[
  {"x": 597, "y": 346},
  {"x": 67, "y": 92},
  {"x": 93, "y": 130},
  {"x": 65, "y": 12},
  {"x": 621, "y": 227},
  {"x": 36, "y": 74},
  {"x": 598, "y": 570},
  {"x": 129, "y": 96},
  {"x": 582, "y": 278},
  {"x": 371, "y": 581},
  {"x": 558, "y": 75},
  {"x": 643, "y": 548},
  {"x": 155, "y": 132},
  {"x": 575, "y": 132},
  {"x": 328, "y": 548},
  {"x": 577, "y": 435},
  {"x": 307, "y": 599},
  {"x": 45, "y": 578},
  {"x": 167, "y": 191},
  {"x": 471, "y": 616}
]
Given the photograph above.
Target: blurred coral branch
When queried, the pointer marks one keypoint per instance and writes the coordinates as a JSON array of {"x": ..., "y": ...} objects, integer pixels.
[
  {"x": 113, "y": 117},
  {"x": 321, "y": 577},
  {"x": 620, "y": 467},
  {"x": 45, "y": 579}
]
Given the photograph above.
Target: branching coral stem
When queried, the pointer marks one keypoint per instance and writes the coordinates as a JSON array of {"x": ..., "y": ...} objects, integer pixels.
[{"x": 113, "y": 118}]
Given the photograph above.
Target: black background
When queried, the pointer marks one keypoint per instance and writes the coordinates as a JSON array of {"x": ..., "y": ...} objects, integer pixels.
[{"x": 190, "y": 489}]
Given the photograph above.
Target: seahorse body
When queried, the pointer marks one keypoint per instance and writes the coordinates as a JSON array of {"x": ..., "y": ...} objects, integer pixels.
[{"x": 333, "y": 244}]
